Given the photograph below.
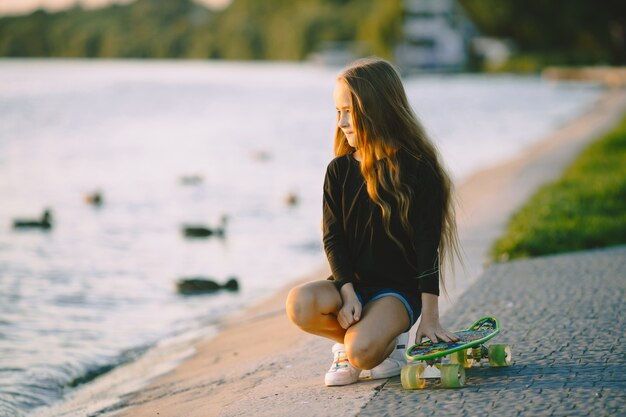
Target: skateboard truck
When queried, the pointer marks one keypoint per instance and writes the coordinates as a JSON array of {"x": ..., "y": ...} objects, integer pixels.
[{"x": 478, "y": 353}]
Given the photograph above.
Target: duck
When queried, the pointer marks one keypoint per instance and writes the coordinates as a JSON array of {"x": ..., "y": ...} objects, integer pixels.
[
  {"x": 292, "y": 199},
  {"x": 45, "y": 223},
  {"x": 191, "y": 179},
  {"x": 204, "y": 231},
  {"x": 95, "y": 198},
  {"x": 202, "y": 285},
  {"x": 261, "y": 155}
]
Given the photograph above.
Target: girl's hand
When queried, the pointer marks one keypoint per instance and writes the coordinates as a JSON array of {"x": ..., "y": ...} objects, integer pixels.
[
  {"x": 429, "y": 325},
  {"x": 431, "y": 328},
  {"x": 350, "y": 312}
]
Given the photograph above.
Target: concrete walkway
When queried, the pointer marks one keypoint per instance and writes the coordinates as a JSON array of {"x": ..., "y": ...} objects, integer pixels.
[{"x": 563, "y": 316}]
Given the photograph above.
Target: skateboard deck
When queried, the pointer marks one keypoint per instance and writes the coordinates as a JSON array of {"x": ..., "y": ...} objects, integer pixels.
[
  {"x": 477, "y": 334},
  {"x": 425, "y": 359}
]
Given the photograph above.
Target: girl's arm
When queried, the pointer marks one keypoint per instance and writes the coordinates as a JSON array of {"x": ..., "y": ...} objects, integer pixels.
[
  {"x": 334, "y": 239},
  {"x": 336, "y": 250},
  {"x": 427, "y": 213},
  {"x": 430, "y": 326}
]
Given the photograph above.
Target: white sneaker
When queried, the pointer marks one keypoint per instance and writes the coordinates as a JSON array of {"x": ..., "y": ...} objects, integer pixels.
[
  {"x": 341, "y": 372},
  {"x": 394, "y": 363}
]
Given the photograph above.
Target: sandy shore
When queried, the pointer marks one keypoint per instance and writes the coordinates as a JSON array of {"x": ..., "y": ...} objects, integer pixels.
[{"x": 260, "y": 364}]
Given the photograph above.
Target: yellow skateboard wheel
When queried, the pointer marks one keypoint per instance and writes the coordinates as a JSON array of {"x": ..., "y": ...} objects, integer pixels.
[
  {"x": 452, "y": 375},
  {"x": 411, "y": 377},
  {"x": 462, "y": 359},
  {"x": 499, "y": 355}
]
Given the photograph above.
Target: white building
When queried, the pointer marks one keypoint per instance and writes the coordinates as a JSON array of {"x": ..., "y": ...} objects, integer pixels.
[{"x": 437, "y": 35}]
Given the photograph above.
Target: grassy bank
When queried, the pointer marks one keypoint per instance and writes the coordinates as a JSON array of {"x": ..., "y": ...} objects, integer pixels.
[{"x": 584, "y": 209}]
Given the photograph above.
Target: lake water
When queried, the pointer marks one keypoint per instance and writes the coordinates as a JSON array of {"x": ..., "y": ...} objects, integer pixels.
[{"x": 98, "y": 289}]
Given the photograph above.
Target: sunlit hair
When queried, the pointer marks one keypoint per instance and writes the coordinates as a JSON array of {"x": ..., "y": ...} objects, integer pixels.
[{"x": 384, "y": 122}]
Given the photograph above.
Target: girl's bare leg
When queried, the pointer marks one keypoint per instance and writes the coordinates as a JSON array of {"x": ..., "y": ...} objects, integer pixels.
[
  {"x": 314, "y": 306},
  {"x": 371, "y": 340}
]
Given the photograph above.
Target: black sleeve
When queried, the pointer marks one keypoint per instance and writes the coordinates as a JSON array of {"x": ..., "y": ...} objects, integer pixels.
[
  {"x": 426, "y": 216},
  {"x": 335, "y": 242}
]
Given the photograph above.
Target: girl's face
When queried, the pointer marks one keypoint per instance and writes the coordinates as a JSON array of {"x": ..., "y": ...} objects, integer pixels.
[{"x": 343, "y": 103}]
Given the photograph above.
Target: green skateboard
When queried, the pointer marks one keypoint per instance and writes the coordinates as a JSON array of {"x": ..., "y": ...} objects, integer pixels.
[{"x": 447, "y": 361}]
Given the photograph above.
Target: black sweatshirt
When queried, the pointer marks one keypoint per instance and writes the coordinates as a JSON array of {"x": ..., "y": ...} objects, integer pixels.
[{"x": 356, "y": 244}]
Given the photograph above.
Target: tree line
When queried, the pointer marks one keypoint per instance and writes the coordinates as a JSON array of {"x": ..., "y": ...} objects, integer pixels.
[
  {"x": 247, "y": 29},
  {"x": 573, "y": 32}
]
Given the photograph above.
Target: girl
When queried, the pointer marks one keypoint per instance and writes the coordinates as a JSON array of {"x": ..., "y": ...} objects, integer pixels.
[{"x": 388, "y": 223}]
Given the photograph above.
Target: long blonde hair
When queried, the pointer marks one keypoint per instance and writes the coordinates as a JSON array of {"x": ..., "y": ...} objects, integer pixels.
[{"x": 384, "y": 123}]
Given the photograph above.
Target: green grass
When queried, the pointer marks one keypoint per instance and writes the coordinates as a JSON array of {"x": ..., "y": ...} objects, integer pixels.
[{"x": 585, "y": 209}]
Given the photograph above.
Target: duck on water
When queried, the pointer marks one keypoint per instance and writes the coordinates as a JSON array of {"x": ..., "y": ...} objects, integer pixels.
[
  {"x": 194, "y": 231},
  {"x": 44, "y": 223},
  {"x": 202, "y": 285}
]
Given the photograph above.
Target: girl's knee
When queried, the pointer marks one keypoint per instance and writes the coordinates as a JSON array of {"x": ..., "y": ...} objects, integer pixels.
[
  {"x": 308, "y": 303},
  {"x": 299, "y": 306},
  {"x": 363, "y": 353}
]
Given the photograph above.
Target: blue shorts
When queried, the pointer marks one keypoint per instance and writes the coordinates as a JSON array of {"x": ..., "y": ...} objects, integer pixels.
[{"x": 412, "y": 302}]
